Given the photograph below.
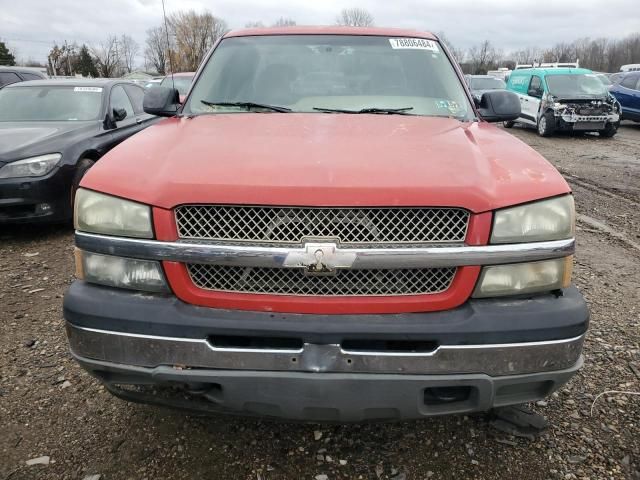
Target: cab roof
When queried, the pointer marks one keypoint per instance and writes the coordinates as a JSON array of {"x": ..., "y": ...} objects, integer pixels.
[
  {"x": 553, "y": 71},
  {"x": 331, "y": 30}
]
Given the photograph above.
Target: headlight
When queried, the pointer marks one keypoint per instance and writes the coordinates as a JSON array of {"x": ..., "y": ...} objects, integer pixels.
[
  {"x": 552, "y": 219},
  {"x": 31, "y": 167},
  {"x": 120, "y": 272},
  {"x": 99, "y": 213},
  {"x": 522, "y": 278}
]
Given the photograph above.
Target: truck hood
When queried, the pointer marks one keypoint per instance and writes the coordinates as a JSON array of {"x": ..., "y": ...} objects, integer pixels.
[{"x": 325, "y": 160}]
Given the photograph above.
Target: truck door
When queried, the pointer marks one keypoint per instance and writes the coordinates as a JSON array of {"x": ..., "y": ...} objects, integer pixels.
[
  {"x": 531, "y": 104},
  {"x": 518, "y": 84},
  {"x": 628, "y": 94}
]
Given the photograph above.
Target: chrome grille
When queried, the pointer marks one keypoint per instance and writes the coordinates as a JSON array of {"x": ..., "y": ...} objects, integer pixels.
[
  {"x": 293, "y": 281},
  {"x": 291, "y": 225}
]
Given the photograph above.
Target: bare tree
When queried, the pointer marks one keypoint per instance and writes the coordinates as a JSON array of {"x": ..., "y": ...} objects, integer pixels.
[
  {"x": 62, "y": 60},
  {"x": 355, "y": 17},
  {"x": 257, "y": 24},
  {"x": 600, "y": 54},
  {"x": 284, "y": 22},
  {"x": 457, "y": 53},
  {"x": 528, "y": 56},
  {"x": 129, "y": 49},
  {"x": 194, "y": 33},
  {"x": 483, "y": 57},
  {"x": 155, "y": 52},
  {"x": 108, "y": 57}
]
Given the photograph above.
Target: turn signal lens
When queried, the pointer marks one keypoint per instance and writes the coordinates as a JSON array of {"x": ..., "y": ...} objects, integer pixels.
[
  {"x": 120, "y": 272},
  {"x": 523, "y": 278}
]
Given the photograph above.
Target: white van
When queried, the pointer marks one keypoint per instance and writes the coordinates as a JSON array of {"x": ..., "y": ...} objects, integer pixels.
[{"x": 632, "y": 67}]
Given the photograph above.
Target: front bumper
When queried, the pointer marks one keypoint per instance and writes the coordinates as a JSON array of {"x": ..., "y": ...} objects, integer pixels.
[
  {"x": 573, "y": 121},
  {"x": 483, "y": 354},
  {"x": 37, "y": 199},
  {"x": 323, "y": 397}
]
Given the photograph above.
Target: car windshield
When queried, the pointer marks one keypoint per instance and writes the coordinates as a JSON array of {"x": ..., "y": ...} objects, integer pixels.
[
  {"x": 50, "y": 103},
  {"x": 487, "y": 84},
  {"x": 325, "y": 73},
  {"x": 575, "y": 84},
  {"x": 605, "y": 80},
  {"x": 181, "y": 82}
]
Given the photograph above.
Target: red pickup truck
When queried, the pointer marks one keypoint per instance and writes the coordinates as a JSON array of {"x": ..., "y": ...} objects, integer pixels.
[{"x": 328, "y": 228}]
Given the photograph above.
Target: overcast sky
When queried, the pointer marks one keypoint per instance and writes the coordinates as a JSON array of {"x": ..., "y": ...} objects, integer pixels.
[{"x": 32, "y": 26}]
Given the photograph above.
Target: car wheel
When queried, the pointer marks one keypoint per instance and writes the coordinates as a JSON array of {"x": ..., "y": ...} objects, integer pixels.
[
  {"x": 610, "y": 130},
  {"x": 546, "y": 125},
  {"x": 508, "y": 124},
  {"x": 82, "y": 168}
]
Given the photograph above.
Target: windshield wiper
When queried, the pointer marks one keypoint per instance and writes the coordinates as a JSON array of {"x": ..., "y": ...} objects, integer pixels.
[
  {"x": 389, "y": 111},
  {"x": 247, "y": 105}
]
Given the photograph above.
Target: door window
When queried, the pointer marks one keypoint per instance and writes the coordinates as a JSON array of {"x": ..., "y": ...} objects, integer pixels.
[
  {"x": 119, "y": 99},
  {"x": 136, "y": 94},
  {"x": 630, "y": 81},
  {"x": 30, "y": 76},
  {"x": 8, "y": 77},
  {"x": 535, "y": 86}
]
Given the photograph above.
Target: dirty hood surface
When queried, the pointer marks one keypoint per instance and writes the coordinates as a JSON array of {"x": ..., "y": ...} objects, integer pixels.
[{"x": 325, "y": 160}]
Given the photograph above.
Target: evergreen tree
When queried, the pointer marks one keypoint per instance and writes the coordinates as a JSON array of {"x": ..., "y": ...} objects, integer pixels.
[
  {"x": 6, "y": 57},
  {"x": 85, "y": 64}
]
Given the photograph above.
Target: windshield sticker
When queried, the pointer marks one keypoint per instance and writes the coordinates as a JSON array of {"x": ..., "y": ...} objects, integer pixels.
[
  {"x": 88, "y": 89},
  {"x": 452, "y": 107},
  {"x": 414, "y": 43}
]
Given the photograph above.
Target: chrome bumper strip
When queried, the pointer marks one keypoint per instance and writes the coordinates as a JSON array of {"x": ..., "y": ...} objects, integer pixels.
[
  {"x": 360, "y": 258},
  {"x": 184, "y": 353}
]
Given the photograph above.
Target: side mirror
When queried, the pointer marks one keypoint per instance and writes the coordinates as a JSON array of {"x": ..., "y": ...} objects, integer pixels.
[
  {"x": 119, "y": 114},
  {"x": 535, "y": 92},
  {"x": 161, "y": 101},
  {"x": 499, "y": 106}
]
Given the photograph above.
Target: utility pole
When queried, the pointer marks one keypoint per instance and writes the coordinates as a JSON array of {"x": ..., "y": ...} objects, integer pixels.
[{"x": 115, "y": 63}]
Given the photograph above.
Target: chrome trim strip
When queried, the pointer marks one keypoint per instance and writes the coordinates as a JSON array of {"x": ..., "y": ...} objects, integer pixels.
[
  {"x": 360, "y": 258},
  {"x": 490, "y": 359}
]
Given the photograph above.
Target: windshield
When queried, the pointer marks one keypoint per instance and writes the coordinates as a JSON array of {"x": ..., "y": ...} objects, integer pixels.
[
  {"x": 304, "y": 73},
  {"x": 182, "y": 83},
  {"x": 487, "y": 84},
  {"x": 604, "y": 79},
  {"x": 575, "y": 84},
  {"x": 59, "y": 103}
]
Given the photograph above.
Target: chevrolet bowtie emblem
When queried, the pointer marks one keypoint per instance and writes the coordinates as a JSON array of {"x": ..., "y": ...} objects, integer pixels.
[{"x": 320, "y": 258}]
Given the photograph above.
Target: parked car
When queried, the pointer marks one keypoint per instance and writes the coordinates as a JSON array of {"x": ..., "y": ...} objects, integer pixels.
[
  {"x": 564, "y": 99},
  {"x": 154, "y": 82},
  {"x": 51, "y": 133},
  {"x": 627, "y": 92},
  {"x": 480, "y": 84},
  {"x": 362, "y": 245},
  {"x": 9, "y": 75},
  {"x": 181, "y": 81},
  {"x": 616, "y": 77}
]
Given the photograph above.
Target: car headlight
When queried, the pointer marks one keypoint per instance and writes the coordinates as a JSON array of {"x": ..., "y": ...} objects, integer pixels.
[
  {"x": 31, "y": 167},
  {"x": 552, "y": 219},
  {"x": 99, "y": 213},
  {"x": 523, "y": 278},
  {"x": 120, "y": 272}
]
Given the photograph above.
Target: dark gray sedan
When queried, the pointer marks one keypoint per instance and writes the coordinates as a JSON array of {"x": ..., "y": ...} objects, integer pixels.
[
  {"x": 479, "y": 84},
  {"x": 51, "y": 133}
]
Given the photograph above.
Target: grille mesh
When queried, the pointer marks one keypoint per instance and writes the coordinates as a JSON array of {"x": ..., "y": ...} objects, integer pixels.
[
  {"x": 291, "y": 225},
  {"x": 291, "y": 281}
]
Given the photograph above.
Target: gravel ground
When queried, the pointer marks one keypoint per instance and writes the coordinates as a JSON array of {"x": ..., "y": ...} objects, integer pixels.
[{"x": 50, "y": 408}]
